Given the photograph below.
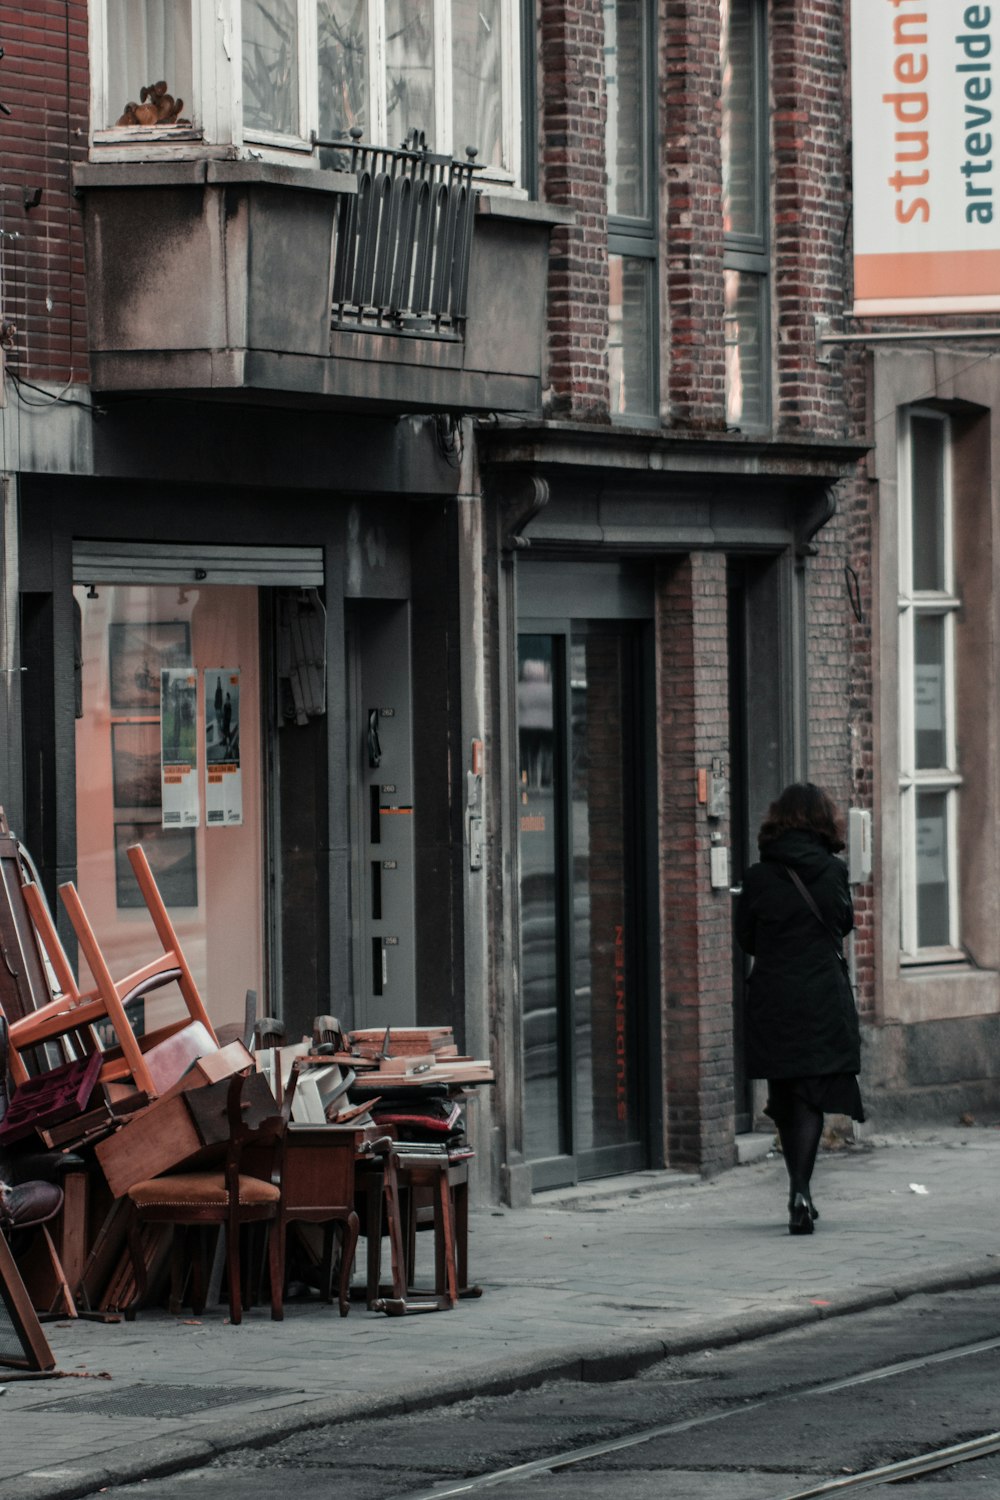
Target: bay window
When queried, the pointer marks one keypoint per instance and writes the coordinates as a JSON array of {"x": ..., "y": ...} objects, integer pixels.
[{"x": 279, "y": 74}]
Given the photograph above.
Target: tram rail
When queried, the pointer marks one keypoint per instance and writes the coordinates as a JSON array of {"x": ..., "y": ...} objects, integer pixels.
[{"x": 980, "y": 1447}]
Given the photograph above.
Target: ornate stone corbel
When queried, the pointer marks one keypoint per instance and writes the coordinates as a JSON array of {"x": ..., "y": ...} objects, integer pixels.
[{"x": 521, "y": 498}]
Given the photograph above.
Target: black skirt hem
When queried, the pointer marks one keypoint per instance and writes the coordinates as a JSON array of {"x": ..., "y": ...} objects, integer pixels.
[{"x": 828, "y": 1093}]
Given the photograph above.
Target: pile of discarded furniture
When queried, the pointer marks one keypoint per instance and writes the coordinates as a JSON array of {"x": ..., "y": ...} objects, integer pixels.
[{"x": 138, "y": 1165}]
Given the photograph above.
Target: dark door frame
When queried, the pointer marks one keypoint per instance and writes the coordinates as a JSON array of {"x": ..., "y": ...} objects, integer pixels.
[{"x": 642, "y": 948}]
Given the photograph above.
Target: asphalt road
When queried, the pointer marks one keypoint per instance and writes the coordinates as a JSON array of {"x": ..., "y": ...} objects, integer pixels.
[{"x": 749, "y": 1422}]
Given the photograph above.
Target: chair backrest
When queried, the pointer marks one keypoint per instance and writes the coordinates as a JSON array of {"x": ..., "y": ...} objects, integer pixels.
[
  {"x": 265, "y": 1138},
  {"x": 24, "y": 983}
]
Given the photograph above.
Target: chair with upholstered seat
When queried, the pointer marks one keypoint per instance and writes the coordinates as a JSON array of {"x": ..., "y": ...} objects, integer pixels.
[{"x": 226, "y": 1196}]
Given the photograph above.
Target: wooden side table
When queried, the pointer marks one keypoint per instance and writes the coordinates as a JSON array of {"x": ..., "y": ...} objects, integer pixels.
[{"x": 319, "y": 1185}]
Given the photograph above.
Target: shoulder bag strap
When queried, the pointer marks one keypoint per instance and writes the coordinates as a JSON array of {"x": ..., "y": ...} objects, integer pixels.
[{"x": 807, "y": 897}]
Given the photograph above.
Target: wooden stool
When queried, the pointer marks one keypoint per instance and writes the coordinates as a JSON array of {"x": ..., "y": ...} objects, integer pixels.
[{"x": 447, "y": 1178}]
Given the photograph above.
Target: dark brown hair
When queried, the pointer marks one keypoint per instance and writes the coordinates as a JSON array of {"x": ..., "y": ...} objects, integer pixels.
[{"x": 803, "y": 805}]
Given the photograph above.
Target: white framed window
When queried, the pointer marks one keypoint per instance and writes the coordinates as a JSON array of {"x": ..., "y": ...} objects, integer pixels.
[
  {"x": 929, "y": 782},
  {"x": 274, "y": 75}
]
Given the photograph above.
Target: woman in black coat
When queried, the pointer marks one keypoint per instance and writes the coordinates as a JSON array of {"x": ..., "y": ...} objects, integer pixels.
[{"x": 801, "y": 1024}]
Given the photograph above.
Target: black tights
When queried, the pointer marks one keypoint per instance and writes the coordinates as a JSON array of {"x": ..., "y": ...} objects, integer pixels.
[{"x": 799, "y": 1129}]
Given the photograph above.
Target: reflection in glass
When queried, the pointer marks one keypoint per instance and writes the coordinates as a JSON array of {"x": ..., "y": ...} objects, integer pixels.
[
  {"x": 409, "y": 61},
  {"x": 625, "y": 80},
  {"x": 604, "y": 1007},
  {"x": 342, "y": 46},
  {"x": 933, "y": 913},
  {"x": 271, "y": 66},
  {"x": 476, "y": 79},
  {"x": 740, "y": 145},
  {"x": 927, "y": 455},
  {"x": 745, "y": 349},
  {"x": 137, "y": 642},
  {"x": 544, "y": 1104},
  {"x": 148, "y": 41},
  {"x": 929, "y": 692},
  {"x": 631, "y": 336}
]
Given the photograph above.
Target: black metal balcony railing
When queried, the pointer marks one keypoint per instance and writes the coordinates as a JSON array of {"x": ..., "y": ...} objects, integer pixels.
[{"x": 402, "y": 245}]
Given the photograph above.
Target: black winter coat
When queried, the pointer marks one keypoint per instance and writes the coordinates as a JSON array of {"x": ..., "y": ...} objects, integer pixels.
[{"x": 801, "y": 1019}]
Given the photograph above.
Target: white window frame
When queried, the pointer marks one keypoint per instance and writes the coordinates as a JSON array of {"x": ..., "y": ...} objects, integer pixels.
[
  {"x": 216, "y": 112},
  {"x": 914, "y": 605}
]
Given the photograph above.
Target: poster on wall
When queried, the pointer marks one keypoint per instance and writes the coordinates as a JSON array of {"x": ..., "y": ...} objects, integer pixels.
[
  {"x": 223, "y": 776},
  {"x": 137, "y": 653},
  {"x": 926, "y": 157},
  {"x": 179, "y": 747}
]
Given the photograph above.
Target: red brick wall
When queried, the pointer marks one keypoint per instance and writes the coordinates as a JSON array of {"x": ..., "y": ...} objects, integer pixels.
[
  {"x": 44, "y": 82},
  {"x": 810, "y": 211},
  {"x": 571, "y": 144},
  {"x": 695, "y": 921}
]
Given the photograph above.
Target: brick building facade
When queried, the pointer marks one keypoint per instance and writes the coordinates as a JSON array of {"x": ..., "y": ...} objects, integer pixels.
[{"x": 597, "y": 555}]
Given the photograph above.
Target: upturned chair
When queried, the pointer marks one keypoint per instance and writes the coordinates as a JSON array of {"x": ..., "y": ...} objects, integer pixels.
[
  {"x": 76, "y": 1013},
  {"x": 228, "y": 1196}
]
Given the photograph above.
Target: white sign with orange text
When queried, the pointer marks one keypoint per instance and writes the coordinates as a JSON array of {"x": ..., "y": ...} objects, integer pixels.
[{"x": 925, "y": 80}]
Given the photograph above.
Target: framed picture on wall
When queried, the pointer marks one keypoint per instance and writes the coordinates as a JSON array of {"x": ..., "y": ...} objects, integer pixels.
[
  {"x": 137, "y": 655},
  {"x": 135, "y": 764},
  {"x": 172, "y": 858}
]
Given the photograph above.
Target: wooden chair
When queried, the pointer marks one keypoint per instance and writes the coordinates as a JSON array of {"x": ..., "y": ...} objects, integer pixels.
[
  {"x": 77, "y": 1013},
  {"x": 228, "y": 1197},
  {"x": 24, "y": 983}
]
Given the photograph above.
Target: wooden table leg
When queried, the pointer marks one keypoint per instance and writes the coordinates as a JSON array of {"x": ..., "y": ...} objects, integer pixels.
[
  {"x": 444, "y": 1236},
  {"x": 461, "y": 1197},
  {"x": 73, "y": 1227},
  {"x": 374, "y": 1190},
  {"x": 350, "y": 1228}
]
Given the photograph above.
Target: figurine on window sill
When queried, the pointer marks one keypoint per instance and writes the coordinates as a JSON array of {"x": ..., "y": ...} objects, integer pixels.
[{"x": 155, "y": 107}]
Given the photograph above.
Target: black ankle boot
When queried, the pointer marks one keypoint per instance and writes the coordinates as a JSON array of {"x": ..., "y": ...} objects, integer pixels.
[{"x": 800, "y": 1217}]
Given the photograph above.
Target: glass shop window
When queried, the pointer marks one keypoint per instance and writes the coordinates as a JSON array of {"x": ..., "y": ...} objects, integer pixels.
[{"x": 168, "y": 755}]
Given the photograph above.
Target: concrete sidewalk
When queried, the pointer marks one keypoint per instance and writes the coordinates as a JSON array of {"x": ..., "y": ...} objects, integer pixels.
[{"x": 597, "y": 1282}]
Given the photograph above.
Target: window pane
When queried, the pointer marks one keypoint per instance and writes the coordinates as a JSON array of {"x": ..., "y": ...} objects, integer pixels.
[
  {"x": 927, "y": 454},
  {"x": 409, "y": 61},
  {"x": 476, "y": 79},
  {"x": 342, "y": 45},
  {"x": 271, "y": 66},
  {"x": 625, "y": 78},
  {"x": 746, "y": 348},
  {"x": 740, "y": 141},
  {"x": 211, "y": 878},
  {"x": 933, "y": 914},
  {"x": 149, "y": 41},
  {"x": 631, "y": 336},
  {"x": 929, "y": 692}
]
